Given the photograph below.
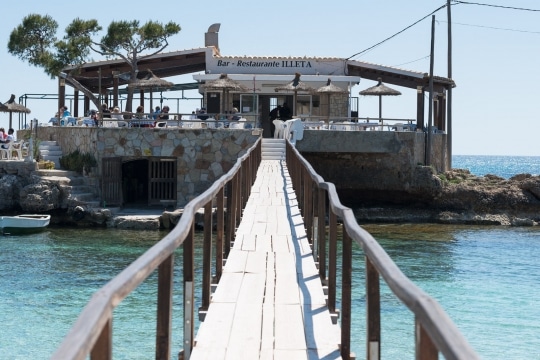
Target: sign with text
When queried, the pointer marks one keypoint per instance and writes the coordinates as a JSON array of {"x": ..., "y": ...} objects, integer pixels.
[{"x": 275, "y": 66}]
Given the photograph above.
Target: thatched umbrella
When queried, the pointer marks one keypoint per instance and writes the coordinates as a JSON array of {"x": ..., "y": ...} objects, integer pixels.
[
  {"x": 225, "y": 85},
  {"x": 379, "y": 90},
  {"x": 152, "y": 82},
  {"x": 329, "y": 89},
  {"x": 295, "y": 86},
  {"x": 11, "y": 106}
]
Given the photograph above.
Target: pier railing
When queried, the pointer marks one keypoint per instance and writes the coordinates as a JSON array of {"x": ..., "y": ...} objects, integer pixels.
[
  {"x": 322, "y": 209},
  {"x": 91, "y": 335}
]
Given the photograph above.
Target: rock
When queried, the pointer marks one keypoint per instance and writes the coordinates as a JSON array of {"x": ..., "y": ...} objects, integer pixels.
[{"x": 457, "y": 196}]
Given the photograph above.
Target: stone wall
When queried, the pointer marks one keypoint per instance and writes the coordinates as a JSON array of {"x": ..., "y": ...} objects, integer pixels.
[
  {"x": 385, "y": 166},
  {"x": 21, "y": 168},
  {"x": 202, "y": 155}
]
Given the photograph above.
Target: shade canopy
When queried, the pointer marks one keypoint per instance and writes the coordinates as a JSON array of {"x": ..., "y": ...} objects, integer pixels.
[
  {"x": 295, "y": 86},
  {"x": 224, "y": 84},
  {"x": 330, "y": 88},
  {"x": 150, "y": 81},
  {"x": 11, "y": 106},
  {"x": 380, "y": 90}
]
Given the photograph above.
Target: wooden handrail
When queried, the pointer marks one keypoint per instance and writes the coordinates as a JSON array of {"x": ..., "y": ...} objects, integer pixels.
[
  {"x": 434, "y": 328},
  {"x": 92, "y": 331}
]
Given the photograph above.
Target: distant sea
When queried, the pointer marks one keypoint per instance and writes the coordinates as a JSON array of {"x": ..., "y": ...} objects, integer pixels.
[
  {"x": 504, "y": 166},
  {"x": 487, "y": 278}
]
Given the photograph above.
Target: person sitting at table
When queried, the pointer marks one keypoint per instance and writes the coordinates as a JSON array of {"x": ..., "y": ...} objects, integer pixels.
[
  {"x": 116, "y": 114},
  {"x": 139, "y": 112},
  {"x": 105, "y": 111},
  {"x": 164, "y": 113},
  {"x": 155, "y": 114},
  {"x": 202, "y": 114},
  {"x": 3, "y": 135},
  {"x": 64, "y": 111},
  {"x": 10, "y": 137}
]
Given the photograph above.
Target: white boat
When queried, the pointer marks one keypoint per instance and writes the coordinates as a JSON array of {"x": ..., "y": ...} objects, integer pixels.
[{"x": 25, "y": 222}]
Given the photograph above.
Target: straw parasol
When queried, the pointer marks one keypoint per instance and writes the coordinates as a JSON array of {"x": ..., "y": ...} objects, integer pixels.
[
  {"x": 152, "y": 82},
  {"x": 225, "y": 85},
  {"x": 379, "y": 90},
  {"x": 11, "y": 106},
  {"x": 329, "y": 89},
  {"x": 295, "y": 86}
]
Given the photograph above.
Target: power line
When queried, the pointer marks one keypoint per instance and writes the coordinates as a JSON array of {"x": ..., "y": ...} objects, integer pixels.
[
  {"x": 491, "y": 5},
  {"x": 454, "y": 2},
  {"x": 494, "y": 28},
  {"x": 409, "y": 62},
  {"x": 396, "y": 34}
]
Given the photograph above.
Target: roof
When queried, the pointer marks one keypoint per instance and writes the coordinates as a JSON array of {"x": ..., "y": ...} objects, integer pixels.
[{"x": 174, "y": 63}]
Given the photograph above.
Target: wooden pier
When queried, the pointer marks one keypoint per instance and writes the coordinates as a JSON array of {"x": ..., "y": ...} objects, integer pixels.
[{"x": 269, "y": 303}]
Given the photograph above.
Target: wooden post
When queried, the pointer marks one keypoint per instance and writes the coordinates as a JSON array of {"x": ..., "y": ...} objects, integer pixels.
[
  {"x": 219, "y": 233},
  {"x": 207, "y": 257},
  {"x": 373, "y": 312},
  {"x": 164, "y": 308},
  {"x": 346, "y": 295},
  {"x": 430, "y": 112},
  {"x": 189, "y": 298}
]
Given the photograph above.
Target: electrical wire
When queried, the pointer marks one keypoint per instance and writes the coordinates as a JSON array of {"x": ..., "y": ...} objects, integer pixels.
[{"x": 396, "y": 34}]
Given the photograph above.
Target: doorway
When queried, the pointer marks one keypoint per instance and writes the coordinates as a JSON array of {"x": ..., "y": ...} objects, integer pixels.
[
  {"x": 135, "y": 182},
  {"x": 139, "y": 182}
]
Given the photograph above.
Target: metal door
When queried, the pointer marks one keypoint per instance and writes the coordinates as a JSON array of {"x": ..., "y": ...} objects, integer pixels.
[
  {"x": 162, "y": 181},
  {"x": 111, "y": 186}
]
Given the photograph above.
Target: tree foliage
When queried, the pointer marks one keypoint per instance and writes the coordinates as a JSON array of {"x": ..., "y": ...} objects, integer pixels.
[{"x": 34, "y": 40}]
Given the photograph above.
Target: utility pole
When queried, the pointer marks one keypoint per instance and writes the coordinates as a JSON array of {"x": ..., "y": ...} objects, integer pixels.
[
  {"x": 449, "y": 100},
  {"x": 430, "y": 111}
]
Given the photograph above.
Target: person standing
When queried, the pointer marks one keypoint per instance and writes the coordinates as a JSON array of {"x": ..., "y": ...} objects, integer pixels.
[{"x": 285, "y": 112}]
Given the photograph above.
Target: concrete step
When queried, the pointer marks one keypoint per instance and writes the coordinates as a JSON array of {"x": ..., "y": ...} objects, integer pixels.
[
  {"x": 47, "y": 152},
  {"x": 47, "y": 143},
  {"x": 85, "y": 197},
  {"x": 56, "y": 172}
]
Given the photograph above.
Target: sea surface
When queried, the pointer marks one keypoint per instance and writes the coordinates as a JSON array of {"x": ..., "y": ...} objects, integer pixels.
[{"x": 487, "y": 278}]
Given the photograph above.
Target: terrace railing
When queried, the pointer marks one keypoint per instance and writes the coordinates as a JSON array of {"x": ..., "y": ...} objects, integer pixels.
[{"x": 321, "y": 209}]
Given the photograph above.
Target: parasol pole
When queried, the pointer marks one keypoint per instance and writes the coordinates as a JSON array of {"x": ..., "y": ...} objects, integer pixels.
[{"x": 380, "y": 109}]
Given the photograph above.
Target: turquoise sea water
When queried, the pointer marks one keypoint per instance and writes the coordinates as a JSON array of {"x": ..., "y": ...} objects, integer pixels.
[{"x": 486, "y": 278}]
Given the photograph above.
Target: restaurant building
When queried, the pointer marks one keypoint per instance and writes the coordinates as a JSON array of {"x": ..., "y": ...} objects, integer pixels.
[{"x": 359, "y": 162}]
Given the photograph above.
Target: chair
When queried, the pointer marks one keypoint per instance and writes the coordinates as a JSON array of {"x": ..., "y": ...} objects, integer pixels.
[
  {"x": 5, "y": 153},
  {"x": 279, "y": 132},
  {"x": 398, "y": 127},
  {"x": 16, "y": 147}
]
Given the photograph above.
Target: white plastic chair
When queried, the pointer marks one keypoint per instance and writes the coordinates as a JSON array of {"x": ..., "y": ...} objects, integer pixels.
[{"x": 279, "y": 132}]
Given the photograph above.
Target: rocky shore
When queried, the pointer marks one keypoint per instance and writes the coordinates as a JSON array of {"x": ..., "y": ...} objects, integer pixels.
[
  {"x": 458, "y": 197},
  {"x": 454, "y": 197}
]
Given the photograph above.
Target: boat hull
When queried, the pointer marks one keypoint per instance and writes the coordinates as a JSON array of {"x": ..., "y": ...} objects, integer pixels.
[{"x": 24, "y": 223}]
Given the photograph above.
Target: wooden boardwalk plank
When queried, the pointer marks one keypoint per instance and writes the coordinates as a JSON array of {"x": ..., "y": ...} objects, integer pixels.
[{"x": 269, "y": 303}]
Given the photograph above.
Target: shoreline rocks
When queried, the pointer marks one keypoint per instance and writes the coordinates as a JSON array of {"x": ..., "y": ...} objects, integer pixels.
[{"x": 458, "y": 197}]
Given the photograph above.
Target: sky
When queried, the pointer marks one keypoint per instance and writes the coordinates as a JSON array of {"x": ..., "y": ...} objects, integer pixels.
[{"x": 495, "y": 53}]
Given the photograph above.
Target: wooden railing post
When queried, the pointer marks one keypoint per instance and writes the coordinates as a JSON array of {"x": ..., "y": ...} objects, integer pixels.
[
  {"x": 308, "y": 205},
  {"x": 332, "y": 263},
  {"x": 229, "y": 227},
  {"x": 207, "y": 257},
  {"x": 321, "y": 218},
  {"x": 346, "y": 294},
  {"x": 373, "y": 312},
  {"x": 164, "y": 308},
  {"x": 425, "y": 349},
  {"x": 219, "y": 233},
  {"x": 189, "y": 297},
  {"x": 102, "y": 349}
]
